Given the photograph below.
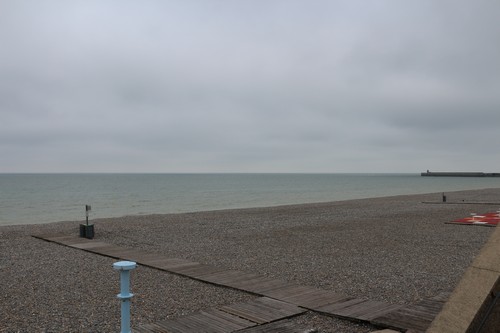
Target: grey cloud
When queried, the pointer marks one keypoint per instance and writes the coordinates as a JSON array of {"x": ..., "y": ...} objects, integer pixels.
[{"x": 248, "y": 85}]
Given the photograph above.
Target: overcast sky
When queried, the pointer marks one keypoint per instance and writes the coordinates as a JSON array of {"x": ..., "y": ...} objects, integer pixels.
[{"x": 249, "y": 86}]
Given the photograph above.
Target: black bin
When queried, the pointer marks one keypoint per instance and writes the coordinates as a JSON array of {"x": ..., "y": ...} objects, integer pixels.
[{"x": 87, "y": 231}]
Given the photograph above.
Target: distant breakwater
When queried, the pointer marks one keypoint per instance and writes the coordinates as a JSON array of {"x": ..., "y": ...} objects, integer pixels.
[{"x": 459, "y": 174}]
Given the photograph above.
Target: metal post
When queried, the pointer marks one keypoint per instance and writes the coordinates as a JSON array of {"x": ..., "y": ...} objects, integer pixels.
[
  {"x": 87, "y": 210},
  {"x": 125, "y": 267}
]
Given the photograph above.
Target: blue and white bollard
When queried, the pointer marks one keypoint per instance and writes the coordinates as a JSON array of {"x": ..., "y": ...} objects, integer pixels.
[{"x": 125, "y": 267}]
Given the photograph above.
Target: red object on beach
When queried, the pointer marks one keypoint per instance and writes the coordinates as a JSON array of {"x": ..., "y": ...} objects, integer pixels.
[{"x": 488, "y": 220}]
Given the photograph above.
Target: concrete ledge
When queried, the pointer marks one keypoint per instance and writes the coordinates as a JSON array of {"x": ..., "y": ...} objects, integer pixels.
[
  {"x": 488, "y": 317},
  {"x": 471, "y": 297}
]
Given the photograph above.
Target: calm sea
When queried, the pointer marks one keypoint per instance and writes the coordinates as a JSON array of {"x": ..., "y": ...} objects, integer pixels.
[{"x": 44, "y": 198}]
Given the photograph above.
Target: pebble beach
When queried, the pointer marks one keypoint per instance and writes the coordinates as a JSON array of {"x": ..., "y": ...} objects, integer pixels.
[{"x": 393, "y": 249}]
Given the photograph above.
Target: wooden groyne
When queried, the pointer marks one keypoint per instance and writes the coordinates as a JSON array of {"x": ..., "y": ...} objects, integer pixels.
[{"x": 459, "y": 174}]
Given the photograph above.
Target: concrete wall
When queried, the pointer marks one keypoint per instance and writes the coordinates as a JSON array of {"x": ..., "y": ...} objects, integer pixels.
[{"x": 473, "y": 295}]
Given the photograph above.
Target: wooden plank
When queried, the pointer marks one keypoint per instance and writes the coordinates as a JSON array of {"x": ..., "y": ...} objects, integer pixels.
[
  {"x": 201, "y": 323},
  {"x": 221, "y": 277},
  {"x": 431, "y": 304},
  {"x": 228, "y": 319},
  {"x": 254, "y": 282},
  {"x": 427, "y": 308},
  {"x": 166, "y": 262},
  {"x": 377, "y": 311},
  {"x": 366, "y": 310},
  {"x": 402, "y": 321},
  {"x": 277, "y": 327},
  {"x": 416, "y": 317},
  {"x": 305, "y": 296},
  {"x": 154, "y": 328},
  {"x": 352, "y": 310},
  {"x": 233, "y": 276},
  {"x": 74, "y": 242},
  {"x": 335, "y": 308},
  {"x": 263, "y": 310},
  {"x": 424, "y": 314},
  {"x": 146, "y": 328},
  {"x": 287, "y": 290},
  {"x": 109, "y": 250},
  {"x": 263, "y": 286},
  {"x": 286, "y": 309},
  {"x": 197, "y": 324},
  {"x": 316, "y": 300},
  {"x": 186, "y": 267},
  {"x": 210, "y": 321},
  {"x": 247, "y": 312},
  {"x": 89, "y": 245},
  {"x": 199, "y": 270},
  {"x": 169, "y": 264},
  {"x": 180, "y": 267},
  {"x": 216, "y": 321},
  {"x": 67, "y": 239},
  {"x": 236, "y": 278}
]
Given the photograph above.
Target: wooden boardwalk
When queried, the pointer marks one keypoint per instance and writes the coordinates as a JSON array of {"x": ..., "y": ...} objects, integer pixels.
[
  {"x": 415, "y": 318},
  {"x": 253, "y": 316},
  {"x": 278, "y": 299}
]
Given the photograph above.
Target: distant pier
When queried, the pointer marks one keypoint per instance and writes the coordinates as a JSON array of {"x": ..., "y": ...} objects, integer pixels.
[{"x": 459, "y": 174}]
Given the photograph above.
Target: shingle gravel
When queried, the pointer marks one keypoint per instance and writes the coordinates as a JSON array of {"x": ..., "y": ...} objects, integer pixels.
[{"x": 394, "y": 249}]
